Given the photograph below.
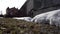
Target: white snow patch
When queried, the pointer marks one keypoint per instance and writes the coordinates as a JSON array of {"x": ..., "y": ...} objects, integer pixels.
[{"x": 23, "y": 18}]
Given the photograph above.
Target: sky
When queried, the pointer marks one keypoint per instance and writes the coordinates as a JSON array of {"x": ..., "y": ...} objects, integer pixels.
[{"x": 10, "y": 3}]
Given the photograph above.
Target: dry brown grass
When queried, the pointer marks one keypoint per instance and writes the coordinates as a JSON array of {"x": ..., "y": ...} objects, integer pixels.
[{"x": 12, "y": 26}]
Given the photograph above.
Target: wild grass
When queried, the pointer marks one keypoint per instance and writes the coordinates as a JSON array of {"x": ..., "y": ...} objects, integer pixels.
[{"x": 13, "y": 26}]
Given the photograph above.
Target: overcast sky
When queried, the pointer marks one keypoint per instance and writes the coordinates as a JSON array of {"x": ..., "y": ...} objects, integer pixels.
[{"x": 10, "y": 3}]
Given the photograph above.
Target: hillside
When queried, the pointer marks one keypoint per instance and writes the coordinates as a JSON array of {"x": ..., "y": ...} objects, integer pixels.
[{"x": 12, "y": 26}]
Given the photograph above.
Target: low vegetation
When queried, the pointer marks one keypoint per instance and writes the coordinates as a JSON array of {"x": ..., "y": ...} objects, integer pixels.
[{"x": 12, "y": 26}]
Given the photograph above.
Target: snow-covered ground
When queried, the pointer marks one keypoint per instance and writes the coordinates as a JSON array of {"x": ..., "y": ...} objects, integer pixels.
[{"x": 51, "y": 17}]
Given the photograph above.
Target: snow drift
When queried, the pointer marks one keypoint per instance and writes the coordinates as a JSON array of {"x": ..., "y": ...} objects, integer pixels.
[{"x": 51, "y": 17}]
